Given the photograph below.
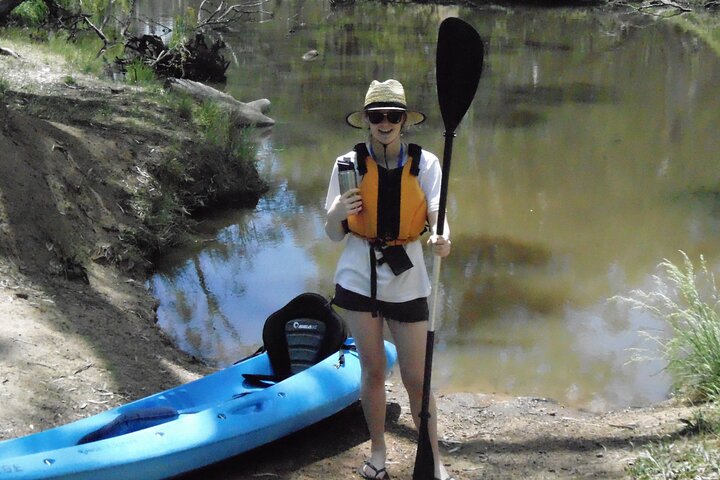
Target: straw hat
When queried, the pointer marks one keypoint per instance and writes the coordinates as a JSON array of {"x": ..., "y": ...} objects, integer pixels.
[{"x": 387, "y": 95}]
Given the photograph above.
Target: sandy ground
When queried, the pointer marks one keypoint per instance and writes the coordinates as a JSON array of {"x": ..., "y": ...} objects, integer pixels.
[{"x": 79, "y": 335}]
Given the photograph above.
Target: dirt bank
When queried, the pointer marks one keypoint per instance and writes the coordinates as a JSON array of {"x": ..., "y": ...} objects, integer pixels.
[
  {"x": 81, "y": 204},
  {"x": 78, "y": 159}
]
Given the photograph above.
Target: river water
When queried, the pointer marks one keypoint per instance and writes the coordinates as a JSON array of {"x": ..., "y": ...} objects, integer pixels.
[{"x": 578, "y": 169}]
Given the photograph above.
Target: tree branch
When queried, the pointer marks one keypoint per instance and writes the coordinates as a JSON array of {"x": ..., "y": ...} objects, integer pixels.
[
  {"x": 223, "y": 15},
  {"x": 99, "y": 32}
]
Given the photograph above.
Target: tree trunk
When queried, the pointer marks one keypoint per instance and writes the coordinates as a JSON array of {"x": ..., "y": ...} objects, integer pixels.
[{"x": 245, "y": 114}]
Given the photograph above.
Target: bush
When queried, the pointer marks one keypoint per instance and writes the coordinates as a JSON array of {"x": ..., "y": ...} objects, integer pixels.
[
  {"x": 688, "y": 301},
  {"x": 31, "y": 13}
]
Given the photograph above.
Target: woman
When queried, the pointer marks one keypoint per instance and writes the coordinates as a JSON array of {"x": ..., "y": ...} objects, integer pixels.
[{"x": 381, "y": 273}]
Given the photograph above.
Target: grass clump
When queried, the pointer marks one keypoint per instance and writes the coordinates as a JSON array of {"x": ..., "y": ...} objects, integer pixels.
[
  {"x": 219, "y": 129},
  {"x": 688, "y": 300},
  {"x": 138, "y": 73},
  {"x": 182, "y": 104},
  {"x": 677, "y": 461}
]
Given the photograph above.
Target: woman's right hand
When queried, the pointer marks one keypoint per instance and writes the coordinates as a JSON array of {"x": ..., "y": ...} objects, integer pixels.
[{"x": 349, "y": 203}]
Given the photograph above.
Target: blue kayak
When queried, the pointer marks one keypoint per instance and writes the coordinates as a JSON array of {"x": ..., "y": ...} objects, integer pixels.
[{"x": 190, "y": 426}]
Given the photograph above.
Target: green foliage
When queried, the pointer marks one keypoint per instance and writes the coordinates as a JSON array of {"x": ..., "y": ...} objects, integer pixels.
[
  {"x": 218, "y": 127},
  {"x": 184, "y": 27},
  {"x": 80, "y": 53},
  {"x": 138, "y": 73},
  {"x": 34, "y": 13},
  {"x": 705, "y": 421},
  {"x": 244, "y": 148},
  {"x": 688, "y": 301},
  {"x": 182, "y": 104},
  {"x": 31, "y": 13},
  {"x": 97, "y": 9},
  {"x": 702, "y": 26},
  {"x": 184, "y": 107},
  {"x": 213, "y": 122},
  {"x": 678, "y": 460}
]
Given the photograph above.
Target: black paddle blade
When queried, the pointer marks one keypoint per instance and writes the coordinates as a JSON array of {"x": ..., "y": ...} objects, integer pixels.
[
  {"x": 459, "y": 65},
  {"x": 424, "y": 459}
]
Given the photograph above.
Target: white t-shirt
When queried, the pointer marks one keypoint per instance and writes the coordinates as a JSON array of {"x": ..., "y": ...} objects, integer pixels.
[{"x": 353, "y": 268}]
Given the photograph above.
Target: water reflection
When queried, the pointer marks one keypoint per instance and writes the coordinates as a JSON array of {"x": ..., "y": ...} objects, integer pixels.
[
  {"x": 548, "y": 95},
  {"x": 215, "y": 298},
  {"x": 582, "y": 164}
]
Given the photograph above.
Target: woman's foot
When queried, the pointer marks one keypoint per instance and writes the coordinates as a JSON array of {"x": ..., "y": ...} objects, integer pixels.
[
  {"x": 443, "y": 474},
  {"x": 370, "y": 471},
  {"x": 446, "y": 477}
]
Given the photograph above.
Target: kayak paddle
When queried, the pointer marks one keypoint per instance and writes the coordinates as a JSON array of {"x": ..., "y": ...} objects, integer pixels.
[{"x": 459, "y": 60}]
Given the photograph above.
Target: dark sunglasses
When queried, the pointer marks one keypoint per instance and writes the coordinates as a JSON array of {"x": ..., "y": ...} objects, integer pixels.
[{"x": 394, "y": 116}]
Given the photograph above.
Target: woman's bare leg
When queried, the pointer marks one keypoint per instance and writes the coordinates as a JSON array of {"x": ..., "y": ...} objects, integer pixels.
[{"x": 368, "y": 334}]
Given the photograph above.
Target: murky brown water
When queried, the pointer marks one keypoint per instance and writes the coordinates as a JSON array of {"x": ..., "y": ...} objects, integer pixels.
[{"x": 576, "y": 171}]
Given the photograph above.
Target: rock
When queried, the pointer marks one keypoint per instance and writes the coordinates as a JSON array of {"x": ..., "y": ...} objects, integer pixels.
[{"x": 311, "y": 55}]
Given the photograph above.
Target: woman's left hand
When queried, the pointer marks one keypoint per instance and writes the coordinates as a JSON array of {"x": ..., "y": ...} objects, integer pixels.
[{"x": 440, "y": 245}]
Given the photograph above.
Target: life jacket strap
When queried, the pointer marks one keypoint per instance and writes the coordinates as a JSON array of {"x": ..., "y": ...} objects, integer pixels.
[
  {"x": 373, "y": 281},
  {"x": 361, "y": 155},
  {"x": 415, "y": 152}
]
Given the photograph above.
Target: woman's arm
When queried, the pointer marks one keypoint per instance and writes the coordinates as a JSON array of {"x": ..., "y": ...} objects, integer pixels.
[{"x": 349, "y": 203}]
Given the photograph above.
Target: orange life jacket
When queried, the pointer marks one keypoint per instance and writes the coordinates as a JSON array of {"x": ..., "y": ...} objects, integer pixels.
[{"x": 394, "y": 206}]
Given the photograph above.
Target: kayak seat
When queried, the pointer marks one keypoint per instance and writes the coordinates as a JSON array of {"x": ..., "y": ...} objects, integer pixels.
[
  {"x": 302, "y": 333},
  {"x": 131, "y": 422}
]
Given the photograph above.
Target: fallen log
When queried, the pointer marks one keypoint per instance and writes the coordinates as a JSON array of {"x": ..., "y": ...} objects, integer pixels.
[
  {"x": 245, "y": 114},
  {"x": 8, "y": 52}
]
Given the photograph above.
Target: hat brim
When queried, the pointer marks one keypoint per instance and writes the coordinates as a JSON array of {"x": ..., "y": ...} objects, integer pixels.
[{"x": 357, "y": 120}]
